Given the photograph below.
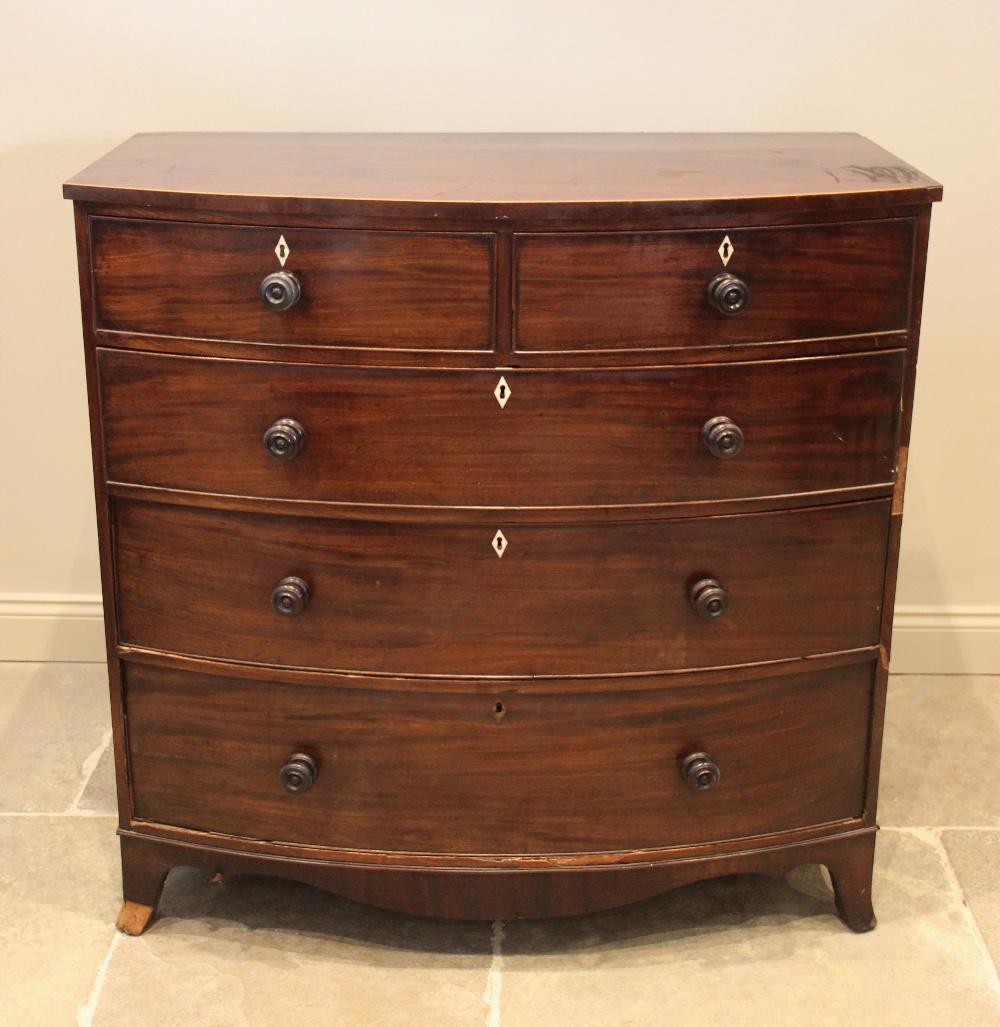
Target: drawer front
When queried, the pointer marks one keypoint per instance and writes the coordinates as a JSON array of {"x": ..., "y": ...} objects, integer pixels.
[
  {"x": 439, "y": 772},
  {"x": 650, "y": 290},
  {"x": 394, "y": 290},
  {"x": 441, "y": 437},
  {"x": 562, "y": 599}
]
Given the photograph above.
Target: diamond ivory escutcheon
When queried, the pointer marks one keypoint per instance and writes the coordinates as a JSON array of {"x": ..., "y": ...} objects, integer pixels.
[{"x": 725, "y": 251}]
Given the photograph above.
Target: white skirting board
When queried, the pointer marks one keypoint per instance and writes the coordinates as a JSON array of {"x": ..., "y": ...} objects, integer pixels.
[
  {"x": 926, "y": 639},
  {"x": 945, "y": 640},
  {"x": 40, "y": 628}
]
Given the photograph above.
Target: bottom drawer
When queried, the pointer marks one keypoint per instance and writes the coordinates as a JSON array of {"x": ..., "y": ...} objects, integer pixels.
[{"x": 407, "y": 769}]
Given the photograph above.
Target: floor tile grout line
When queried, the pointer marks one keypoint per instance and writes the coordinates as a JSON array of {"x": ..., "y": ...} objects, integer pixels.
[
  {"x": 89, "y": 766},
  {"x": 85, "y": 1011},
  {"x": 932, "y": 837},
  {"x": 898, "y": 675},
  {"x": 938, "y": 827},
  {"x": 491, "y": 994},
  {"x": 54, "y": 663},
  {"x": 80, "y": 814}
]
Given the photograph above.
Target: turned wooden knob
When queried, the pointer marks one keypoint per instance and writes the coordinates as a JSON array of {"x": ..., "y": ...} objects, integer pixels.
[
  {"x": 709, "y": 598},
  {"x": 298, "y": 773},
  {"x": 723, "y": 437},
  {"x": 285, "y": 438},
  {"x": 290, "y": 596},
  {"x": 700, "y": 772},
  {"x": 727, "y": 293},
  {"x": 280, "y": 290}
]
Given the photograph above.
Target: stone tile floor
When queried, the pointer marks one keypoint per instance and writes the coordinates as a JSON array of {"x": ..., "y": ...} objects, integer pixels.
[{"x": 262, "y": 952}]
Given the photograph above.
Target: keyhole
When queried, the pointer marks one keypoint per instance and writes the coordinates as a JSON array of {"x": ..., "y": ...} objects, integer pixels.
[
  {"x": 725, "y": 251},
  {"x": 281, "y": 251},
  {"x": 503, "y": 391},
  {"x": 499, "y": 544},
  {"x": 499, "y": 711}
]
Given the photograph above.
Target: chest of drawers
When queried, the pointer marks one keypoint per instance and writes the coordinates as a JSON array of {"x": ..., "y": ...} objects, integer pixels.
[{"x": 499, "y": 526}]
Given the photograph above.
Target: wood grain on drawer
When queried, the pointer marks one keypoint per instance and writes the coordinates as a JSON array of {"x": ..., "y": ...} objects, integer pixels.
[
  {"x": 566, "y": 598},
  {"x": 563, "y": 438},
  {"x": 394, "y": 290},
  {"x": 649, "y": 290},
  {"x": 565, "y": 772}
]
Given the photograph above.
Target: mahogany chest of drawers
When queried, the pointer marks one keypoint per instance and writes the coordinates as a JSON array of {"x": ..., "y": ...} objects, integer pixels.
[{"x": 499, "y": 526}]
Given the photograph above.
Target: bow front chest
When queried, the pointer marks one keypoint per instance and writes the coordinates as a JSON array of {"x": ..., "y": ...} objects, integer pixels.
[{"x": 499, "y": 526}]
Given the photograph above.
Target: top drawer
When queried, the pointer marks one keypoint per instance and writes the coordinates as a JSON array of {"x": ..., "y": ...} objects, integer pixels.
[
  {"x": 649, "y": 290},
  {"x": 390, "y": 290}
]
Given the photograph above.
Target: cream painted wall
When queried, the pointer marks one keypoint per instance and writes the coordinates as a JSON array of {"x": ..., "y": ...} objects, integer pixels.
[{"x": 920, "y": 78}]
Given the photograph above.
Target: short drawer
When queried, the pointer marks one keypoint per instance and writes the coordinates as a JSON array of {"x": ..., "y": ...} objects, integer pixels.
[
  {"x": 396, "y": 290},
  {"x": 573, "y": 598},
  {"x": 562, "y": 438},
  {"x": 436, "y": 771},
  {"x": 649, "y": 290}
]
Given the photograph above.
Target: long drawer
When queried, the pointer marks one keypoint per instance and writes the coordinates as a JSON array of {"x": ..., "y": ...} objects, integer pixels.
[
  {"x": 503, "y": 599},
  {"x": 444, "y": 772},
  {"x": 396, "y": 290},
  {"x": 649, "y": 290},
  {"x": 561, "y": 438}
]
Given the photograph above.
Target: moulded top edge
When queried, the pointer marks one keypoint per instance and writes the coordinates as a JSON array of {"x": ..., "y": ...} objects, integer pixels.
[{"x": 500, "y": 174}]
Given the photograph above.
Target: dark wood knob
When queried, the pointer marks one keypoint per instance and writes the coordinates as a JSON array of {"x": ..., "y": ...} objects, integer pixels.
[
  {"x": 700, "y": 772},
  {"x": 709, "y": 598},
  {"x": 285, "y": 438},
  {"x": 298, "y": 773},
  {"x": 280, "y": 290},
  {"x": 727, "y": 293},
  {"x": 723, "y": 438},
  {"x": 290, "y": 597}
]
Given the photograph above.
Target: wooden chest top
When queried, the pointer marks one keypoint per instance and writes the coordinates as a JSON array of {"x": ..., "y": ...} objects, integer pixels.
[{"x": 500, "y": 174}]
